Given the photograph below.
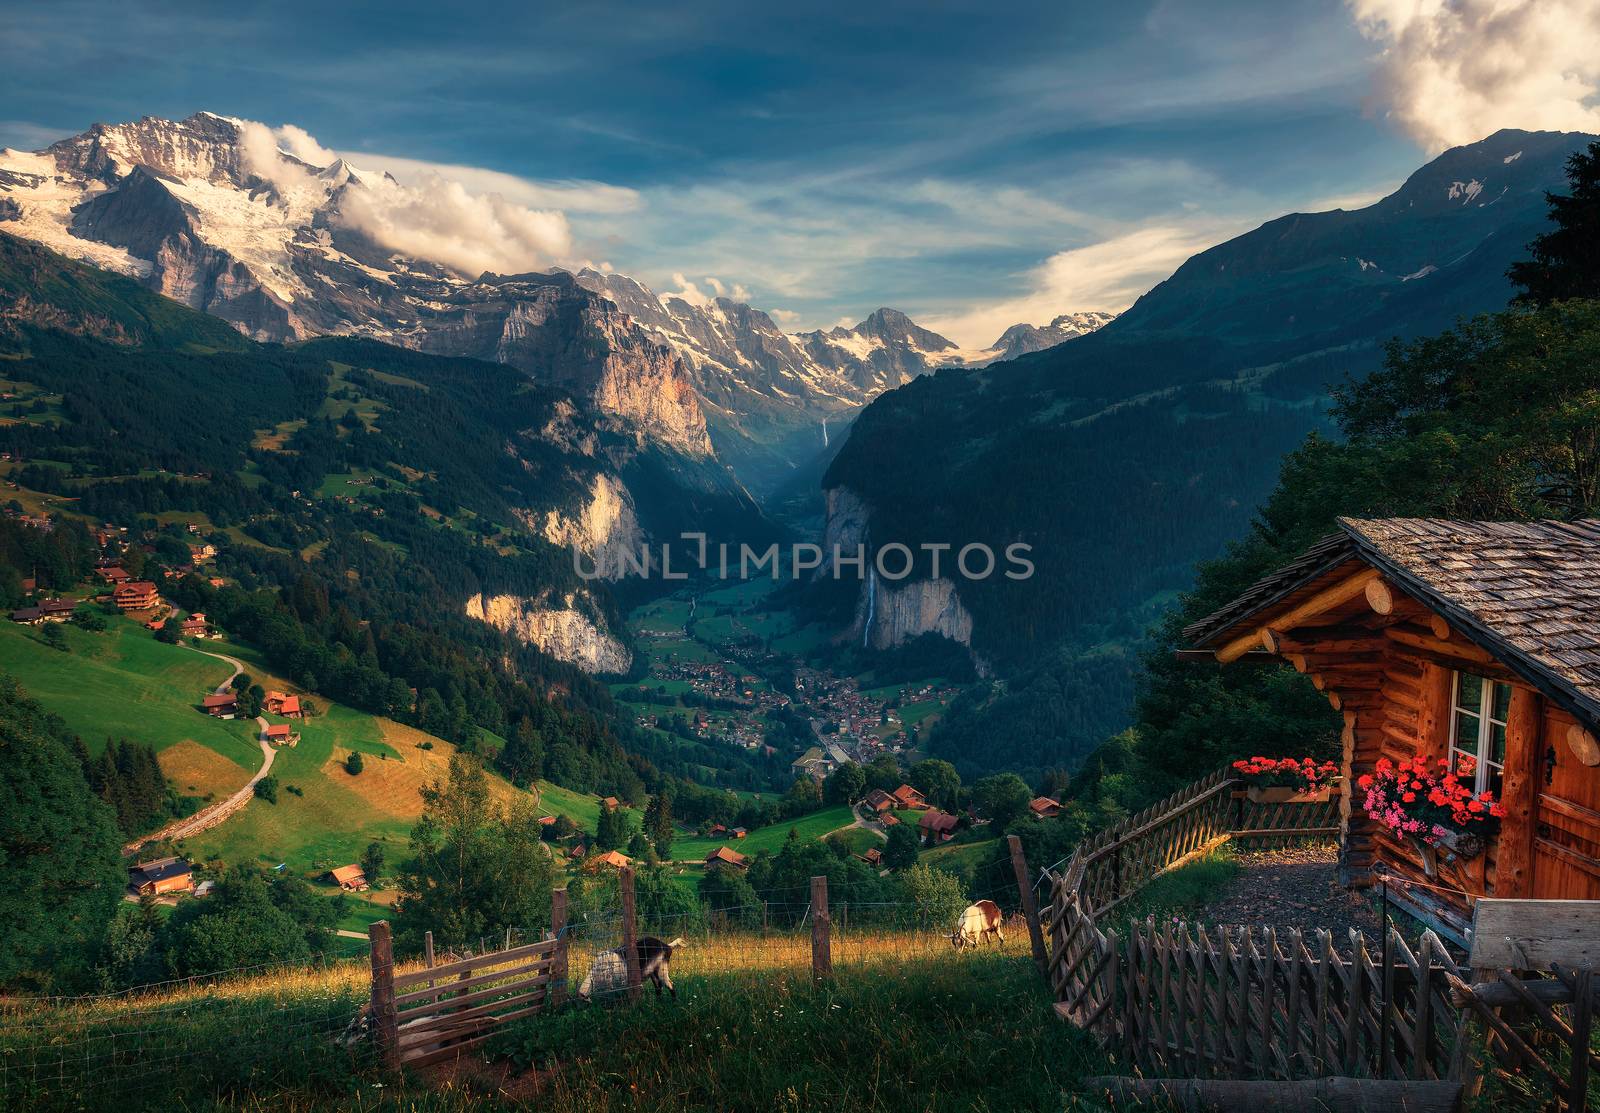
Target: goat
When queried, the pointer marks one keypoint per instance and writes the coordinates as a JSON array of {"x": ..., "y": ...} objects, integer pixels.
[
  {"x": 608, "y": 973},
  {"x": 978, "y": 921}
]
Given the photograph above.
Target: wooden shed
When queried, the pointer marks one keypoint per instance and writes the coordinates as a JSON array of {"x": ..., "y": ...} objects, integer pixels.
[
  {"x": 160, "y": 877},
  {"x": 1473, "y": 642}
]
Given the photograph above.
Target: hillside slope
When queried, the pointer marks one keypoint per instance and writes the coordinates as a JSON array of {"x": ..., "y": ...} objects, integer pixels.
[{"x": 1126, "y": 455}]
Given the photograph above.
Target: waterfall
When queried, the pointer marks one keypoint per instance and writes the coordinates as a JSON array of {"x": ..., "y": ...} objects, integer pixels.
[
  {"x": 824, "y": 432},
  {"x": 872, "y": 605}
]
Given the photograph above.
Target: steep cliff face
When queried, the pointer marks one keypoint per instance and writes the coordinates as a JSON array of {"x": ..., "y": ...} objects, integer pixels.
[
  {"x": 562, "y": 631},
  {"x": 846, "y": 523},
  {"x": 603, "y": 528},
  {"x": 891, "y": 614}
]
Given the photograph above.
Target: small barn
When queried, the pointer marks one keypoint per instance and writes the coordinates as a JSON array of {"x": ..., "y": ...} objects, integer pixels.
[
  {"x": 161, "y": 876},
  {"x": 222, "y": 705},
  {"x": 613, "y": 858},
  {"x": 722, "y": 856},
  {"x": 1474, "y": 647},
  {"x": 907, "y": 797},
  {"x": 352, "y": 879},
  {"x": 1043, "y": 807}
]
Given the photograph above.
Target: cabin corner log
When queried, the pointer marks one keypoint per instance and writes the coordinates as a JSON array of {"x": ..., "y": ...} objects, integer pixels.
[{"x": 1329, "y": 597}]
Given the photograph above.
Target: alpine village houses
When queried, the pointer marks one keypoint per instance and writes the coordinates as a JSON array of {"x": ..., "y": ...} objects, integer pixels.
[{"x": 1473, "y": 642}]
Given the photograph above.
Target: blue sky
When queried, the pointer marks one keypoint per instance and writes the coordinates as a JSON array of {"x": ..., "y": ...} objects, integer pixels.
[{"x": 970, "y": 163}]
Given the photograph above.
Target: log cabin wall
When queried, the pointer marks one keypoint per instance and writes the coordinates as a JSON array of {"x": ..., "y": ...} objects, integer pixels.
[{"x": 1389, "y": 665}]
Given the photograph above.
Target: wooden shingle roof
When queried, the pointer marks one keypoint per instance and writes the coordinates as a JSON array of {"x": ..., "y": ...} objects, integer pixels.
[{"x": 1528, "y": 592}]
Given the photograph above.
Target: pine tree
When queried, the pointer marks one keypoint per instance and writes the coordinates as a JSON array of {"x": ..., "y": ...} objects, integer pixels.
[{"x": 1565, "y": 263}]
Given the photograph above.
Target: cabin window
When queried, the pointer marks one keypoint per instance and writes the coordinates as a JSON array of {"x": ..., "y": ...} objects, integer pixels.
[{"x": 1478, "y": 731}]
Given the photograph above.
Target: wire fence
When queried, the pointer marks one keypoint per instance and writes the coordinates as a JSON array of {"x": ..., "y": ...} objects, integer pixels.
[
  {"x": 273, "y": 1028},
  {"x": 183, "y": 1042}
]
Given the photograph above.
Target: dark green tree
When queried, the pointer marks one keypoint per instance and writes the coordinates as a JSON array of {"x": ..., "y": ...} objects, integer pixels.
[
  {"x": 900, "y": 852},
  {"x": 658, "y": 821},
  {"x": 61, "y": 849},
  {"x": 845, "y": 785},
  {"x": 937, "y": 780},
  {"x": 1563, "y": 262},
  {"x": 353, "y": 763},
  {"x": 267, "y": 789},
  {"x": 611, "y": 830},
  {"x": 239, "y": 925},
  {"x": 372, "y": 859},
  {"x": 1002, "y": 797},
  {"x": 476, "y": 867}
]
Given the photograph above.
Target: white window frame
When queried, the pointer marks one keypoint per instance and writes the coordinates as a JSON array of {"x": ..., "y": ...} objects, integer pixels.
[{"x": 1482, "y": 764}]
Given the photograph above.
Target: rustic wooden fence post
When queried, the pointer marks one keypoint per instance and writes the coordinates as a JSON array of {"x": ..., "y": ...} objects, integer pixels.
[
  {"x": 558, "y": 961},
  {"x": 821, "y": 954},
  {"x": 630, "y": 935},
  {"x": 385, "y": 1020},
  {"x": 1030, "y": 907},
  {"x": 427, "y": 953}
]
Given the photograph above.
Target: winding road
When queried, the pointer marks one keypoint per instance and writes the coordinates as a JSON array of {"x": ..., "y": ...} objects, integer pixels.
[{"x": 210, "y": 816}]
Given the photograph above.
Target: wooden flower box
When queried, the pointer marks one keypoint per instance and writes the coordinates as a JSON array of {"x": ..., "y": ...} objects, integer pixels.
[
  {"x": 1287, "y": 794},
  {"x": 1453, "y": 846}
]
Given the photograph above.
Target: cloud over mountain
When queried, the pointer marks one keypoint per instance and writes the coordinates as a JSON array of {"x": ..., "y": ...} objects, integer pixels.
[{"x": 1453, "y": 71}]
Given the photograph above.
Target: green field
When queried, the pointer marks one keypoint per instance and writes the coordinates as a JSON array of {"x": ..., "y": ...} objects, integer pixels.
[
  {"x": 860, "y": 839},
  {"x": 581, "y": 807},
  {"x": 809, "y": 827},
  {"x": 122, "y": 683}
]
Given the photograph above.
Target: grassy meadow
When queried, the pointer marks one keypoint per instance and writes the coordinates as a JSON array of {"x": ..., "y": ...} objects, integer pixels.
[
  {"x": 122, "y": 683},
  {"x": 809, "y": 827},
  {"x": 904, "y": 1024}
]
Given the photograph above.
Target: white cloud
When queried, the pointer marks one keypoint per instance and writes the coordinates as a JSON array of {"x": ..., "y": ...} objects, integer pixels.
[
  {"x": 1453, "y": 71},
  {"x": 428, "y": 215},
  {"x": 1108, "y": 275},
  {"x": 573, "y": 195}
]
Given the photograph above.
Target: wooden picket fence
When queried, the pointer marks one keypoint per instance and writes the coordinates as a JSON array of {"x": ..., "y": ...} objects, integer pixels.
[
  {"x": 1244, "y": 1003},
  {"x": 442, "y": 1009}
]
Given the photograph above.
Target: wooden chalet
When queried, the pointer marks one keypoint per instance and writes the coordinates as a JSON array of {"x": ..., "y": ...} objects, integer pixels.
[
  {"x": 352, "y": 879},
  {"x": 1473, "y": 642},
  {"x": 879, "y": 801},
  {"x": 161, "y": 876},
  {"x": 136, "y": 595},
  {"x": 907, "y": 797},
  {"x": 281, "y": 734},
  {"x": 49, "y": 610},
  {"x": 872, "y": 856},
  {"x": 281, "y": 703},
  {"x": 1043, "y": 807},
  {"x": 613, "y": 858},
  {"x": 722, "y": 856},
  {"x": 221, "y": 705}
]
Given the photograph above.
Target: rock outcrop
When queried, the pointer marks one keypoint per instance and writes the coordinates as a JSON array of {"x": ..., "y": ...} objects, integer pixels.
[{"x": 564, "y": 631}]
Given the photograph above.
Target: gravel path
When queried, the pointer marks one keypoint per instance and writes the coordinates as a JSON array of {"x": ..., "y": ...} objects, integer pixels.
[{"x": 1293, "y": 888}]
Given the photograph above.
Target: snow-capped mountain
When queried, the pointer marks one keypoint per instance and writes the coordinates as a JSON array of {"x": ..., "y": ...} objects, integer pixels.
[
  {"x": 1020, "y": 340},
  {"x": 284, "y": 249},
  {"x": 213, "y": 212},
  {"x": 774, "y": 399}
]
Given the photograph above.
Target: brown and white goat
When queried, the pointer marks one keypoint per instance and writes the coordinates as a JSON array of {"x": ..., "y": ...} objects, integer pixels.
[{"x": 978, "y": 921}]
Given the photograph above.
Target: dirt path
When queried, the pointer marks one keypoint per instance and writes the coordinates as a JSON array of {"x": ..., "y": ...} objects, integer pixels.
[
  {"x": 208, "y": 817},
  {"x": 1296, "y": 887}
]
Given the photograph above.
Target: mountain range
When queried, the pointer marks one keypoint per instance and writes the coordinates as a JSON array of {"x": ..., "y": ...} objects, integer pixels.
[
  {"x": 210, "y": 212},
  {"x": 1127, "y": 455}
]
